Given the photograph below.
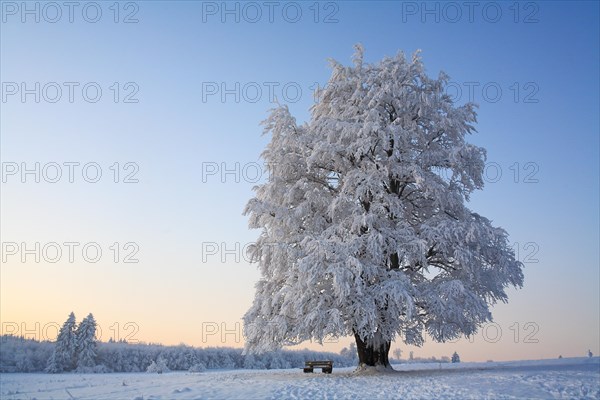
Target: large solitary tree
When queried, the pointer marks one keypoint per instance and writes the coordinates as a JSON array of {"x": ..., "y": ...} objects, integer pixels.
[{"x": 365, "y": 231}]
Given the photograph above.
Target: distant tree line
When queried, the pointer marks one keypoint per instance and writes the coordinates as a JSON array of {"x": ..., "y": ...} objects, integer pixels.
[
  {"x": 18, "y": 354},
  {"x": 76, "y": 349}
]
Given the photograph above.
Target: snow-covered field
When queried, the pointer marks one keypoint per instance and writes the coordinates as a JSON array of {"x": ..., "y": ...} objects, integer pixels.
[{"x": 572, "y": 378}]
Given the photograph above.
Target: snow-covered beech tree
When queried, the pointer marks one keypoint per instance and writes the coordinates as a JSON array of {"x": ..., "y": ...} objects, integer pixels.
[
  {"x": 86, "y": 344},
  {"x": 365, "y": 231},
  {"x": 64, "y": 356}
]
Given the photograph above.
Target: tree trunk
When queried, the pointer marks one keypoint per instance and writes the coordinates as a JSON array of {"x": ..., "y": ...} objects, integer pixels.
[{"x": 372, "y": 355}]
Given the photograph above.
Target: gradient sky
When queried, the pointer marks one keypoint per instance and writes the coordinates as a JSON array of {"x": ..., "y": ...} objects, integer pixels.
[{"x": 541, "y": 132}]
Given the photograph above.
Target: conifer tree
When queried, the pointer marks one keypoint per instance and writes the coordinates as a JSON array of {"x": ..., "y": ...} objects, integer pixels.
[
  {"x": 86, "y": 344},
  {"x": 63, "y": 357}
]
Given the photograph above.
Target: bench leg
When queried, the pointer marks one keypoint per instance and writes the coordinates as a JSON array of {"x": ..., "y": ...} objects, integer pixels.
[{"x": 306, "y": 369}]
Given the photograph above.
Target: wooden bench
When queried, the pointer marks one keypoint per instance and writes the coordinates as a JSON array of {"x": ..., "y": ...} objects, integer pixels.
[{"x": 326, "y": 366}]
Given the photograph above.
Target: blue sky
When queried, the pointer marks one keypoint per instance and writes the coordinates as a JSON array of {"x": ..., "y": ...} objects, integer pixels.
[{"x": 541, "y": 132}]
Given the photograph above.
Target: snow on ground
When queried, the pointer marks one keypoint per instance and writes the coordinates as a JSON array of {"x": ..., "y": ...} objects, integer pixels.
[{"x": 569, "y": 378}]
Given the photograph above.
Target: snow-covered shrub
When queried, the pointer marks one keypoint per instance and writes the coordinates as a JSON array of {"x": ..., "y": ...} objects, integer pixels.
[
  {"x": 101, "y": 369},
  {"x": 198, "y": 367},
  {"x": 159, "y": 366},
  {"x": 455, "y": 358}
]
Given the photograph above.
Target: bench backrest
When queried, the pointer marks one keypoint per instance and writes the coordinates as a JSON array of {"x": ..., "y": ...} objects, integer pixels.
[{"x": 317, "y": 363}]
